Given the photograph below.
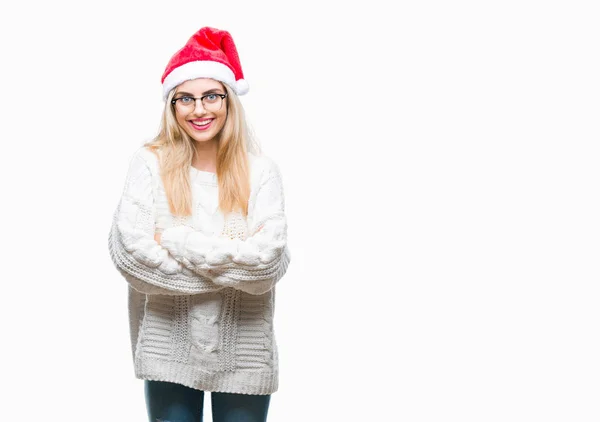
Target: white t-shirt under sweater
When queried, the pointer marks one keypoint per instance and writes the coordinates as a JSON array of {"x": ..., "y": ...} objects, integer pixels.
[{"x": 201, "y": 302}]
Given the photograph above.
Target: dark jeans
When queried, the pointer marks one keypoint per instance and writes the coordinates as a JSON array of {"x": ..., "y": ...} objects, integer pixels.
[{"x": 169, "y": 402}]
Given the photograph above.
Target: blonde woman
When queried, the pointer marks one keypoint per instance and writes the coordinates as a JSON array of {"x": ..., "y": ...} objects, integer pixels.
[{"x": 200, "y": 235}]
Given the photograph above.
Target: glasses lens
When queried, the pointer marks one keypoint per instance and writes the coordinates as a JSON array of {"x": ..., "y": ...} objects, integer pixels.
[
  {"x": 185, "y": 104},
  {"x": 212, "y": 102}
]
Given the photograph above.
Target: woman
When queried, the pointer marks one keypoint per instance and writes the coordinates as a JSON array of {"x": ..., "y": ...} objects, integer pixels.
[{"x": 200, "y": 235}]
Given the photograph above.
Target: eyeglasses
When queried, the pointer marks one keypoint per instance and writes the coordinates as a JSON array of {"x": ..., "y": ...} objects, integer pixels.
[{"x": 210, "y": 102}]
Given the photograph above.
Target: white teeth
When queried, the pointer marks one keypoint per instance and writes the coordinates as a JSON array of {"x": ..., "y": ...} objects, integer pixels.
[{"x": 202, "y": 123}]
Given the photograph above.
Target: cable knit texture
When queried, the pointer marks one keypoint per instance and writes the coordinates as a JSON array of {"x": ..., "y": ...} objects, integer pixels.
[{"x": 201, "y": 302}]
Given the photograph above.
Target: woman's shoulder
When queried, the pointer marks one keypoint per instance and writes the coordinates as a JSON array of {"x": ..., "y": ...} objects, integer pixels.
[
  {"x": 148, "y": 155},
  {"x": 262, "y": 165}
]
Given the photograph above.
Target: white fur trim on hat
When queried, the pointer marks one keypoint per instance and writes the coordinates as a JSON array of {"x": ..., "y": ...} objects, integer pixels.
[{"x": 203, "y": 69}]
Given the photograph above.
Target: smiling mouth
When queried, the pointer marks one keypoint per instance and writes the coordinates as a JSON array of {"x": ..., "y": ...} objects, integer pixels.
[{"x": 200, "y": 124}]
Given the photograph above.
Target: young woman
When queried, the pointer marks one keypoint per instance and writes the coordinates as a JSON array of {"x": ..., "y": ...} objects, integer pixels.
[{"x": 200, "y": 235}]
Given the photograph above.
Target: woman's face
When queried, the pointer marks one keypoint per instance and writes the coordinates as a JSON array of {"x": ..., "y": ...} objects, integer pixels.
[{"x": 201, "y": 120}]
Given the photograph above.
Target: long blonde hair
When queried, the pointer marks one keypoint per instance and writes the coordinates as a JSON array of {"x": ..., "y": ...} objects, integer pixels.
[{"x": 175, "y": 150}]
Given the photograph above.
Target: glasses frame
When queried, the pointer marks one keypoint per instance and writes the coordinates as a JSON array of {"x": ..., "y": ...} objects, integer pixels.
[{"x": 223, "y": 96}]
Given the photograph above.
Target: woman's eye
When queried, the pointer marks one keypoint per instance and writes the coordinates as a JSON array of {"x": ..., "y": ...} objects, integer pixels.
[
  {"x": 186, "y": 100},
  {"x": 211, "y": 98}
]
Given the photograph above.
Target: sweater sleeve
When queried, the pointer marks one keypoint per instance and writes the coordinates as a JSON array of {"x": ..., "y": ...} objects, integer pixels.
[
  {"x": 145, "y": 265},
  {"x": 253, "y": 265}
]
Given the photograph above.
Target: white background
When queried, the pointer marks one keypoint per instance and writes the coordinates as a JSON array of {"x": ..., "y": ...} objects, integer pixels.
[{"x": 440, "y": 165}]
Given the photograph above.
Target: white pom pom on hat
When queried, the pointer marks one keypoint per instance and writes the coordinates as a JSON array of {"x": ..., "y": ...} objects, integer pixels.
[{"x": 209, "y": 53}]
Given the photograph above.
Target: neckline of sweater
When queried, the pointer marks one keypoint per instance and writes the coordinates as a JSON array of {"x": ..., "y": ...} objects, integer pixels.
[{"x": 203, "y": 176}]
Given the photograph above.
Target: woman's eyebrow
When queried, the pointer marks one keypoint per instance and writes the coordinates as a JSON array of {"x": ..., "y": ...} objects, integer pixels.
[{"x": 210, "y": 91}]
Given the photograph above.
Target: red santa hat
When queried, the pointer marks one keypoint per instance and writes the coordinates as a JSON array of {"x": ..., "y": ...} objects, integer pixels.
[{"x": 209, "y": 53}]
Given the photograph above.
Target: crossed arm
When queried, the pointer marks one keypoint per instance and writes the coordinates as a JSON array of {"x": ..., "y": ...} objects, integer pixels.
[{"x": 185, "y": 261}]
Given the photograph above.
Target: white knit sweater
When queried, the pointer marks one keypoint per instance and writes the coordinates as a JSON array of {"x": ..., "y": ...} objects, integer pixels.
[{"x": 201, "y": 303}]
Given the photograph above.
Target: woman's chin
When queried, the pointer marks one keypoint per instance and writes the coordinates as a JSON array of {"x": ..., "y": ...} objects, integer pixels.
[{"x": 207, "y": 137}]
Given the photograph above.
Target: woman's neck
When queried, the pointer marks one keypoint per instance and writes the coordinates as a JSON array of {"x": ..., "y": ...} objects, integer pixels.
[{"x": 205, "y": 156}]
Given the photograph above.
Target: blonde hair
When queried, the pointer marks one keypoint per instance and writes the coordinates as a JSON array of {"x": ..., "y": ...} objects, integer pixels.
[{"x": 175, "y": 151}]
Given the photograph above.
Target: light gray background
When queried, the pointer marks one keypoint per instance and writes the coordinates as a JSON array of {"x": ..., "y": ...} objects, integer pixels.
[{"x": 440, "y": 163}]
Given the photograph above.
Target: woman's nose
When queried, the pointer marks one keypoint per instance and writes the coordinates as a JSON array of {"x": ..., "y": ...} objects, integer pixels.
[{"x": 199, "y": 107}]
